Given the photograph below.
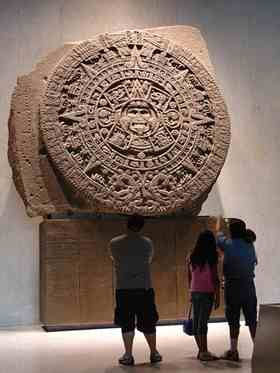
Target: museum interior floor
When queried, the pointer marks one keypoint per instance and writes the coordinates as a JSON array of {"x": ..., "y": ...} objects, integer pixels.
[{"x": 32, "y": 350}]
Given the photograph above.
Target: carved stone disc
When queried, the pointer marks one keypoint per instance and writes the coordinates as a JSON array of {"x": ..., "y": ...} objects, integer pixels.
[{"x": 135, "y": 124}]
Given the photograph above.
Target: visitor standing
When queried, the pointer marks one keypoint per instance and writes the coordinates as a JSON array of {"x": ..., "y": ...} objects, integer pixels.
[
  {"x": 204, "y": 287},
  {"x": 240, "y": 292},
  {"x": 132, "y": 254}
]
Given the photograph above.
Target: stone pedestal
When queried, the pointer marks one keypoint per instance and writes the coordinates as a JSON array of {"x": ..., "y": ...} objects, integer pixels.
[
  {"x": 266, "y": 357},
  {"x": 77, "y": 281}
]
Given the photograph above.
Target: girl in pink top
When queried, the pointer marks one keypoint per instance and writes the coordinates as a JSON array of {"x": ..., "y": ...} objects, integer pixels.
[{"x": 204, "y": 286}]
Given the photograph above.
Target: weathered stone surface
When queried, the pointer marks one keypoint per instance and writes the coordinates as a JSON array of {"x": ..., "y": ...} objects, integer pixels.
[
  {"x": 32, "y": 172},
  {"x": 77, "y": 284},
  {"x": 131, "y": 122},
  {"x": 267, "y": 343}
]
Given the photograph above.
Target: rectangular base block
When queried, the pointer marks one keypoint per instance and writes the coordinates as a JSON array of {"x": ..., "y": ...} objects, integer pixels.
[
  {"x": 266, "y": 355},
  {"x": 77, "y": 281}
]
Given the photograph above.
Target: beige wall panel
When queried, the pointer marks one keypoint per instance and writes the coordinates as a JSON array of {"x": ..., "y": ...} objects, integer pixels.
[
  {"x": 60, "y": 292},
  {"x": 92, "y": 271},
  {"x": 96, "y": 292},
  {"x": 166, "y": 293},
  {"x": 95, "y": 274},
  {"x": 163, "y": 265},
  {"x": 183, "y": 295}
]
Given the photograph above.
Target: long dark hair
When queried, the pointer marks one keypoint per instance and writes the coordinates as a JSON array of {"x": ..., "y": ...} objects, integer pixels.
[{"x": 205, "y": 250}]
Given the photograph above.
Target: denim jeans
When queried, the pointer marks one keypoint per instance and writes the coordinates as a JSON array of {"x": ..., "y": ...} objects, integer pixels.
[{"x": 202, "y": 306}]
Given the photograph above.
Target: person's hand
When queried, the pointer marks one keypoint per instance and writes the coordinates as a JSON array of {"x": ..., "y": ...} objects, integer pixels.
[
  {"x": 217, "y": 300},
  {"x": 217, "y": 303},
  {"x": 211, "y": 223}
]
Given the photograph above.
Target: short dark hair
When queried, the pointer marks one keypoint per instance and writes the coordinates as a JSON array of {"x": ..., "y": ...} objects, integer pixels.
[
  {"x": 135, "y": 222},
  {"x": 250, "y": 236},
  {"x": 237, "y": 229}
]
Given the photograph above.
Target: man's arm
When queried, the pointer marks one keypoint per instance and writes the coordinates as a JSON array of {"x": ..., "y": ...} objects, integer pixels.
[
  {"x": 189, "y": 271},
  {"x": 151, "y": 252},
  {"x": 221, "y": 240},
  {"x": 189, "y": 277},
  {"x": 110, "y": 251},
  {"x": 220, "y": 236},
  {"x": 218, "y": 224},
  {"x": 216, "y": 281},
  {"x": 255, "y": 255}
]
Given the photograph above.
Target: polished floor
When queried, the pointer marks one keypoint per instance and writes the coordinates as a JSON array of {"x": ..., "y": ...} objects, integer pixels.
[{"x": 32, "y": 350}]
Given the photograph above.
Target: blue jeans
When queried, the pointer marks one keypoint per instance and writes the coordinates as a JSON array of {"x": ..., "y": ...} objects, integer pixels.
[{"x": 202, "y": 306}]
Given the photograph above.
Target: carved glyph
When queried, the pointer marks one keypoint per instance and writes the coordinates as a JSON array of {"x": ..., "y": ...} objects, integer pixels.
[
  {"x": 135, "y": 123},
  {"x": 131, "y": 122}
]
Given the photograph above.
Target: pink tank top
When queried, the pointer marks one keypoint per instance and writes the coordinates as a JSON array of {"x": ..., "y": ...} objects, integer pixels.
[{"x": 202, "y": 279}]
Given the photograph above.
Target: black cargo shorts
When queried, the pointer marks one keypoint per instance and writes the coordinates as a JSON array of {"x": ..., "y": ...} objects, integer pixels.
[{"x": 136, "y": 307}]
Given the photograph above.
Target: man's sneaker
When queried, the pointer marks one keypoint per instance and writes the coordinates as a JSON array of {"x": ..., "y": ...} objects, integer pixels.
[
  {"x": 126, "y": 360},
  {"x": 230, "y": 355},
  {"x": 155, "y": 357}
]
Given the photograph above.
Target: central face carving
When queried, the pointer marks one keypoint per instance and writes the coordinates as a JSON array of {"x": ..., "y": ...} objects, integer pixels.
[
  {"x": 139, "y": 121},
  {"x": 137, "y": 117},
  {"x": 130, "y": 122}
]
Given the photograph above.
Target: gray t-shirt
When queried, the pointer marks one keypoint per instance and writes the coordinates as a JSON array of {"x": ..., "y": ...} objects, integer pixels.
[{"x": 132, "y": 254}]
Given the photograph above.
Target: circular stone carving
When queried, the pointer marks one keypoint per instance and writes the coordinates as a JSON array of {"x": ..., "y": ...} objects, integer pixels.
[{"x": 135, "y": 123}]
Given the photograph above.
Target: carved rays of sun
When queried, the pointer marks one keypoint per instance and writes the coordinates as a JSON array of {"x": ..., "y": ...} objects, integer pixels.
[{"x": 137, "y": 92}]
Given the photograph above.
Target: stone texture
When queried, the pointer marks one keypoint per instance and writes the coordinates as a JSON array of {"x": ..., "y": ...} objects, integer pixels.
[
  {"x": 77, "y": 284},
  {"x": 131, "y": 123},
  {"x": 267, "y": 343},
  {"x": 33, "y": 174}
]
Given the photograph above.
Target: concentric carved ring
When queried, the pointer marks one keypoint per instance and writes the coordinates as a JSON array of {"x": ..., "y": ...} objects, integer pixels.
[{"x": 135, "y": 124}]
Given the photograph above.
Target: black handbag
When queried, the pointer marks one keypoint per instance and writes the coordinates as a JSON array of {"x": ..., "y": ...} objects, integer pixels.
[{"x": 188, "y": 323}]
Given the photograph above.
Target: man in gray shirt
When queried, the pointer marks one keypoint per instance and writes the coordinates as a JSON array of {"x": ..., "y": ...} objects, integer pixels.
[{"x": 132, "y": 254}]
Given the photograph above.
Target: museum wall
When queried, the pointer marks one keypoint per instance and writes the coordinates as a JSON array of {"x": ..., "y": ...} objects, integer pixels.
[{"x": 243, "y": 42}]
